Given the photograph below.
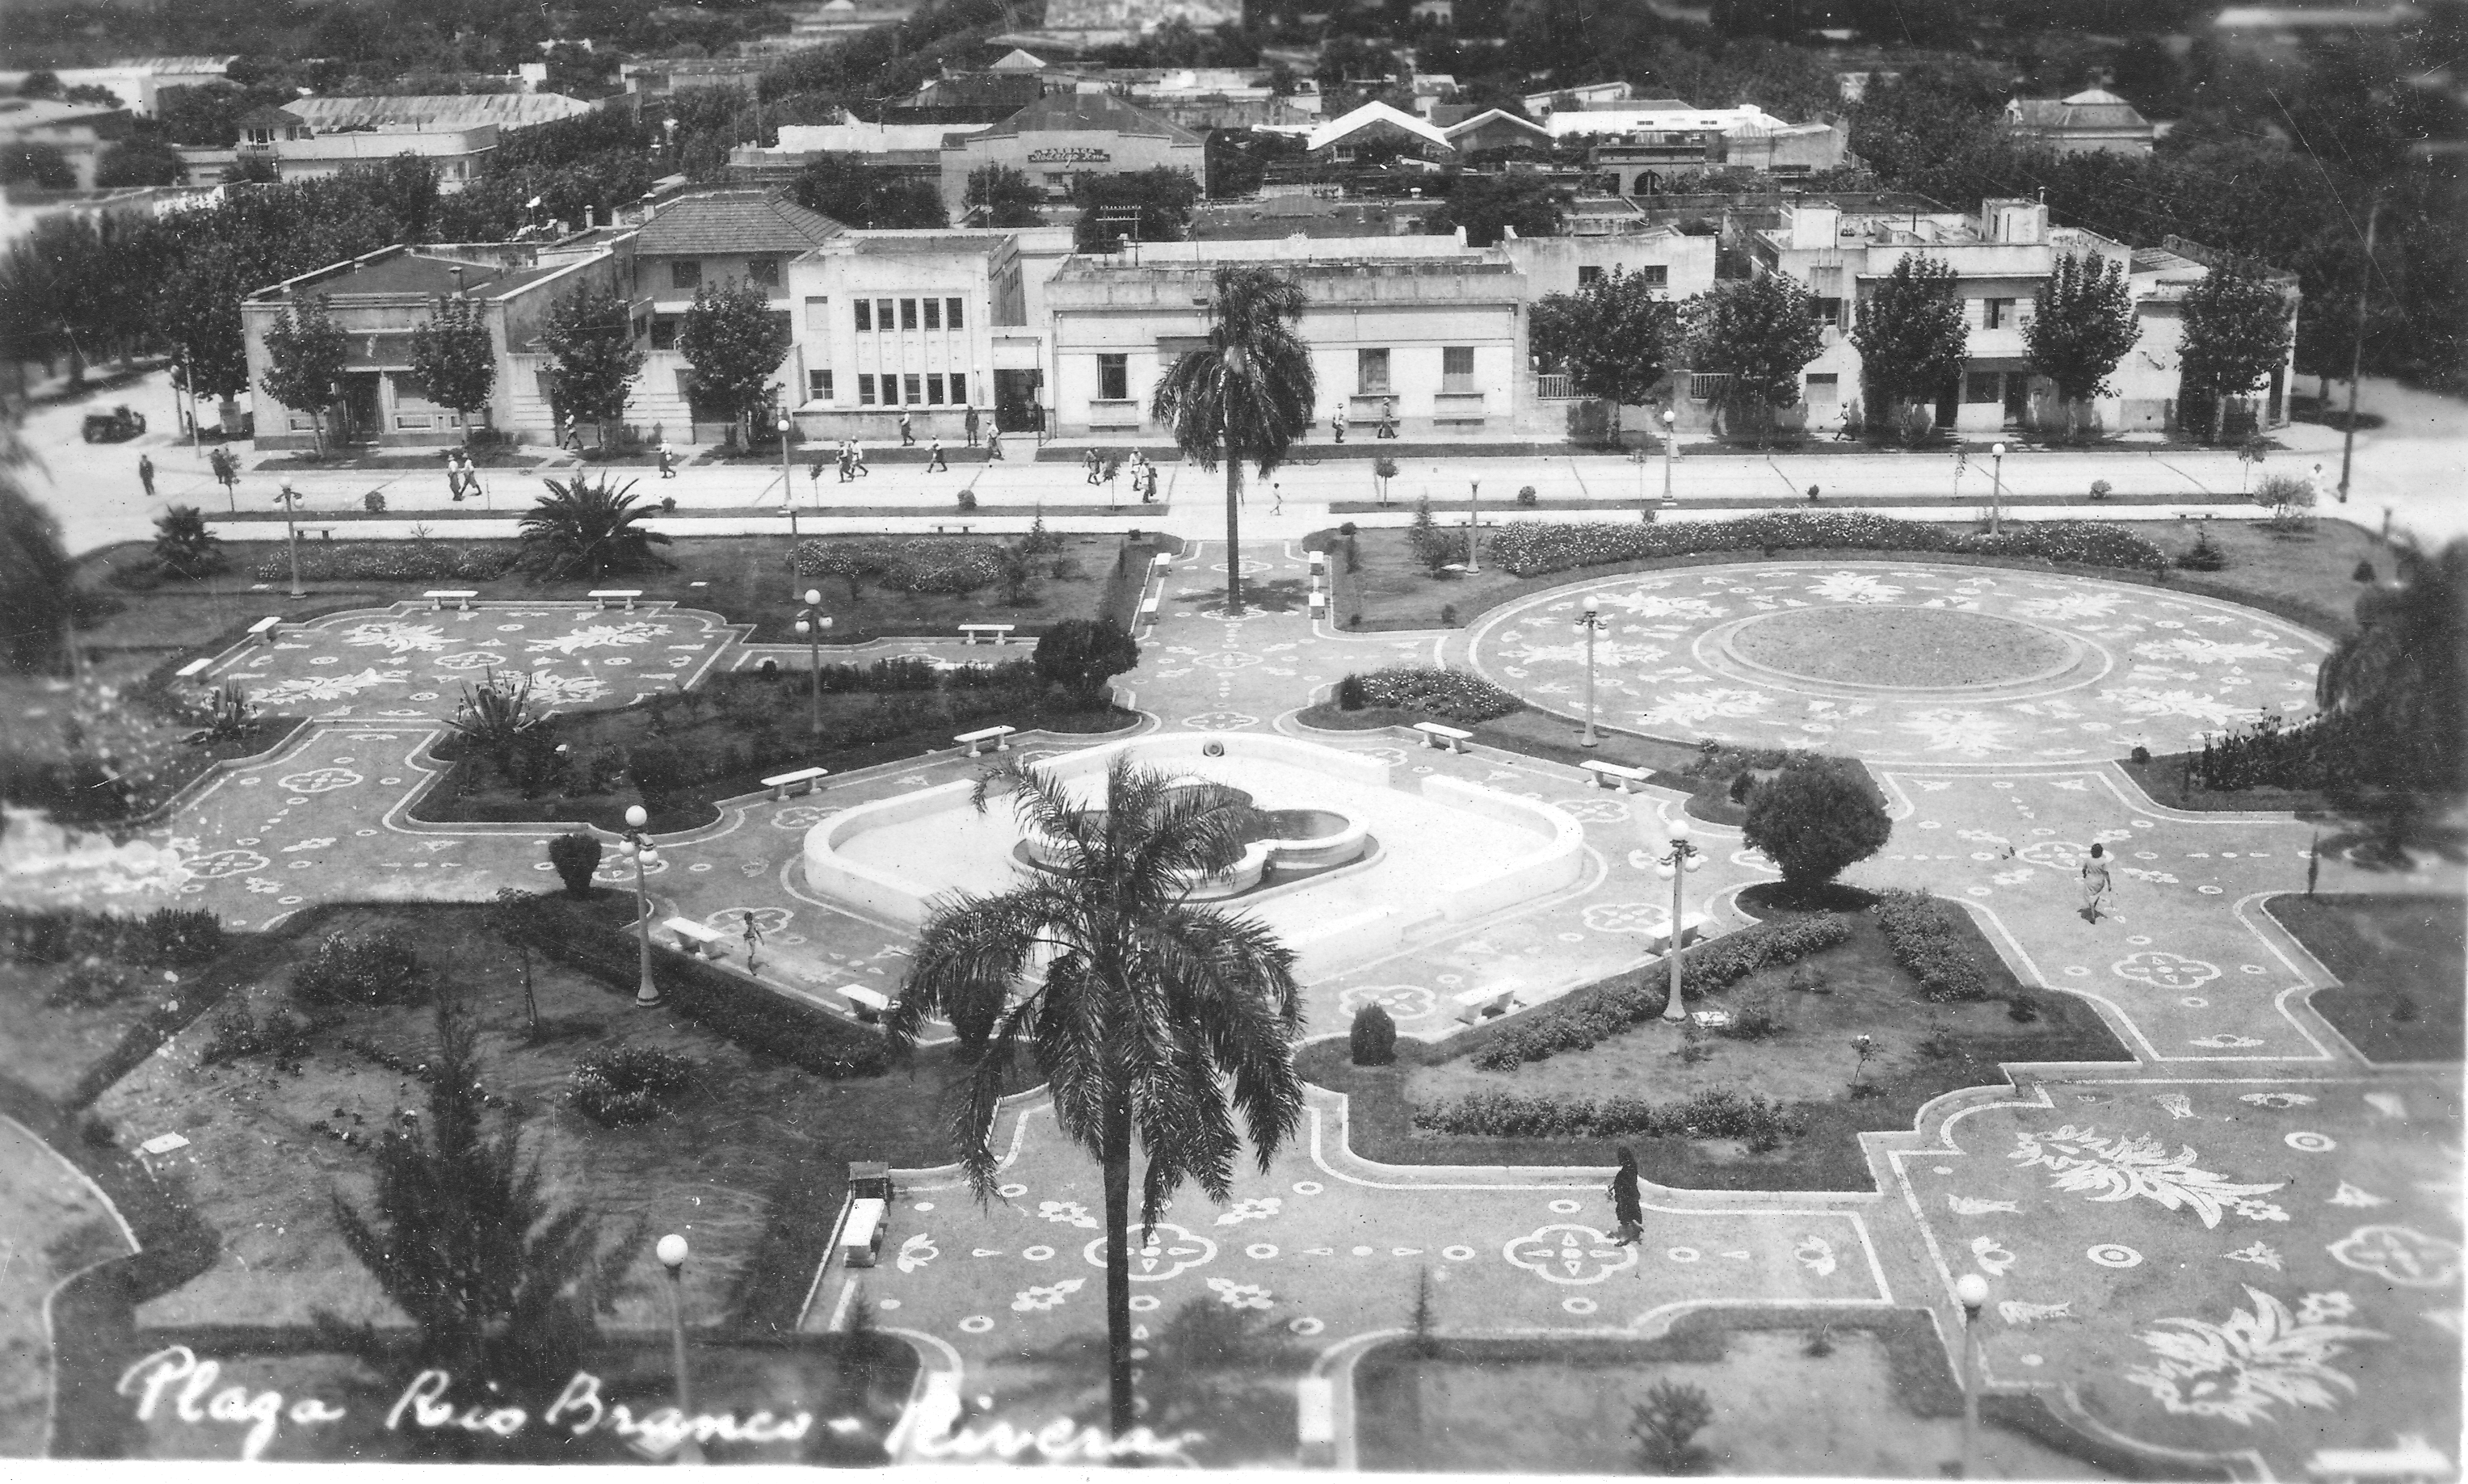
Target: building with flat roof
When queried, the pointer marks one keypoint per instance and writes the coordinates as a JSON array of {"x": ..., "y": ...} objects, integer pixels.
[
  {"x": 79, "y": 131},
  {"x": 1276, "y": 217},
  {"x": 507, "y": 111},
  {"x": 1064, "y": 135},
  {"x": 1422, "y": 324},
  {"x": 712, "y": 237},
  {"x": 284, "y": 142},
  {"x": 379, "y": 299},
  {"x": 139, "y": 82},
  {"x": 2092, "y": 120},
  {"x": 1640, "y": 148},
  {"x": 913, "y": 152}
]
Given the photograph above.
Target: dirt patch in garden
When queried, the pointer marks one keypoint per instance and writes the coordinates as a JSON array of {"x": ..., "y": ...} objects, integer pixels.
[
  {"x": 2400, "y": 962},
  {"x": 752, "y": 1144}
]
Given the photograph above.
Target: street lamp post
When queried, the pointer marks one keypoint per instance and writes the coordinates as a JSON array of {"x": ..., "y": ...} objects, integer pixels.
[
  {"x": 811, "y": 622},
  {"x": 637, "y": 847},
  {"x": 1670, "y": 437},
  {"x": 1997, "y": 491},
  {"x": 1973, "y": 1290},
  {"x": 1592, "y": 624},
  {"x": 672, "y": 1252},
  {"x": 789, "y": 497},
  {"x": 290, "y": 500},
  {"x": 1675, "y": 866},
  {"x": 1474, "y": 527}
]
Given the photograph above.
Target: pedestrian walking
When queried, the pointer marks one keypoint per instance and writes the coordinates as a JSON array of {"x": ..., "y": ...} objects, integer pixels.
[
  {"x": 848, "y": 462},
  {"x": 993, "y": 445},
  {"x": 146, "y": 475},
  {"x": 453, "y": 475},
  {"x": 1149, "y": 497},
  {"x": 2097, "y": 890},
  {"x": 856, "y": 458},
  {"x": 1095, "y": 466},
  {"x": 570, "y": 437},
  {"x": 669, "y": 462},
  {"x": 1388, "y": 417},
  {"x": 1628, "y": 1206},
  {"x": 1277, "y": 498},
  {"x": 970, "y": 426},
  {"x": 934, "y": 458},
  {"x": 226, "y": 469},
  {"x": 907, "y": 435},
  {"x": 1337, "y": 421}
]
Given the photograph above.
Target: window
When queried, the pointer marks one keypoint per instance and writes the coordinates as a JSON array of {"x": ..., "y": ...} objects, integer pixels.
[
  {"x": 907, "y": 314},
  {"x": 1823, "y": 387},
  {"x": 1371, "y": 373},
  {"x": 959, "y": 383},
  {"x": 1826, "y": 311},
  {"x": 1456, "y": 368},
  {"x": 642, "y": 326},
  {"x": 1114, "y": 377},
  {"x": 818, "y": 386},
  {"x": 933, "y": 384},
  {"x": 865, "y": 316},
  {"x": 762, "y": 272},
  {"x": 883, "y": 314},
  {"x": 685, "y": 273},
  {"x": 816, "y": 310},
  {"x": 1981, "y": 386},
  {"x": 1996, "y": 313},
  {"x": 685, "y": 387},
  {"x": 664, "y": 331},
  {"x": 933, "y": 313},
  {"x": 912, "y": 389},
  {"x": 952, "y": 316},
  {"x": 890, "y": 390},
  {"x": 1588, "y": 275},
  {"x": 864, "y": 389}
]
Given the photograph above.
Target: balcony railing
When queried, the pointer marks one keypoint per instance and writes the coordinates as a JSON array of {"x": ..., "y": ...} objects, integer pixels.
[{"x": 1553, "y": 388}]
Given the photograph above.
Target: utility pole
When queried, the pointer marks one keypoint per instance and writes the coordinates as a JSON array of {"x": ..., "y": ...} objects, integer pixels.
[{"x": 2357, "y": 346}]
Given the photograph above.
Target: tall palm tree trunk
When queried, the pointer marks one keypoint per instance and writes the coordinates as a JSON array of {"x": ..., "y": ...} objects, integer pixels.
[
  {"x": 1233, "y": 533},
  {"x": 1118, "y": 1265}
]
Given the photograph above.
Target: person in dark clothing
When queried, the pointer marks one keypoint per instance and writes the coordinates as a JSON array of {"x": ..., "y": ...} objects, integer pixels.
[
  {"x": 1628, "y": 1206},
  {"x": 146, "y": 475}
]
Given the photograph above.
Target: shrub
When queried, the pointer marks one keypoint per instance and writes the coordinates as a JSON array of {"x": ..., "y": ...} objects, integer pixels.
[
  {"x": 1663, "y": 1424},
  {"x": 657, "y": 768},
  {"x": 1373, "y": 1039},
  {"x": 967, "y": 499},
  {"x": 2204, "y": 556},
  {"x": 1448, "y": 615},
  {"x": 93, "y": 983},
  {"x": 1938, "y": 1043},
  {"x": 1349, "y": 694},
  {"x": 1588, "y": 1016},
  {"x": 921, "y": 564},
  {"x": 624, "y": 1085},
  {"x": 1530, "y": 548},
  {"x": 1754, "y": 1018},
  {"x": 1081, "y": 654},
  {"x": 2141, "y": 753},
  {"x": 576, "y": 856},
  {"x": 239, "y": 1034},
  {"x": 377, "y": 967},
  {"x": 392, "y": 561},
  {"x": 1920, "y": 929},
  {"x": 2365, "y": 573},
  {"x": 1526, "y": 497},
  {"x": 2022, "y": 1009},
  {"x": 1443, "y": 695},
  {"x": 1815, "y": 817},
  {"x": 168, "y": 937},
  {"x": 1715, "y": 1114},
  {"x": 2101, "y": 489},
  {"x": 1432, "y": 547},
  {"x": 373, "y": 502}
]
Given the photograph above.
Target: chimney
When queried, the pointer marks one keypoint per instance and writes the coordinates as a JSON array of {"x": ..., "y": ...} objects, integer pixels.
[
  {"x": 591, "y": 217},
  {"x": 457, "y": 272}
]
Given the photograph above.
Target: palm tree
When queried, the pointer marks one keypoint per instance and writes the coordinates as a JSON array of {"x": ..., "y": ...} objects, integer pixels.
[
  {"x": 1152, "y": 1013},
  {"x": 587, "y": 530},
  {"x": 1250, "y": 393}
]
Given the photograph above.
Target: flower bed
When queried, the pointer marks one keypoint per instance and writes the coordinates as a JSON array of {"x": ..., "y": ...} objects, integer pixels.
[
  {"x": 1716, "y": 1114},
  {"x": 1532, "y": 548},
  {"x": 925, "y": 564},
  {"x": 1450, "y": 695},
  {"x": 390, "y": 562},
  {"x": 1921, "y": 930},
  {"x": 1587, "y": 1017}
]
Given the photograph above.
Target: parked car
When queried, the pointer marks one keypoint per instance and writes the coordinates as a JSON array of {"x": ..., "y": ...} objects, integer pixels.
[{"x": 116, "y": 427}]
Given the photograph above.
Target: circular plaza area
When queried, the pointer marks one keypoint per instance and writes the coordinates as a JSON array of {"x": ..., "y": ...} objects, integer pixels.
[{"x": 1901, "y": 662}]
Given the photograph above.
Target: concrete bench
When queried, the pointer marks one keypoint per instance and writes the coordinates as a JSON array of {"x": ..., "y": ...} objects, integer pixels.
[
  {"x": 862, "y": 1238},
  {"x": 945, "y": 530},
  {"x": 1691, "y": 929},
  {"x": 462, "y": 597},
  {"x": 1613, "y": 775},
  {"x": 804, "y": 780},
  {"x": 991, "y": 633},
  {"x": 694, "y": 937},
  {"x": 192, "y": 669},
  {"x": 265, "y": 627},
  {"x": 1480, "y": 1005},
  {"x": 1318, "y": 560},
  {"x": 601, "y": 596},
  {"x": 1459, "y": 567},
  {"x": 1149, "y": 605},
  {"x": 870, "y": 1004},
  {"x": 1161, "y": 560},
  {"x": 997, "y": 735},
  {"x": 1317, "y": 605},
  {"x": 1447, "y": 739},
  {"x": 1709, "y": 1020}
]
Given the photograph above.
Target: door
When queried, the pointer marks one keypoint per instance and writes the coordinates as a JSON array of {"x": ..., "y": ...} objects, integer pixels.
[
  {"x": 361, "y": 418},
  {"x": 1019, "y": 401},
  {"x": 1948, "y": 403},
  {"x": 2017, "y": 396}
]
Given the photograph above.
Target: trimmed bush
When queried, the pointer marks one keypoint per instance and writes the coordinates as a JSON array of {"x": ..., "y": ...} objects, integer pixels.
[
  {"x": 390, "y": 562},
  {"x": 624, "y": 1085},
  {"x": 2204, "y": 556},
  {"x": 1715, "y": 1114},
  {"x": 1443, "y": 695},
  {"x": 1373, "y": 1039},
  {"x": 1349, "y": 694},
  {"x": 922, "y": 564},
  {"x": 1920, "y": 929},
  {"x": 576, "y": 856},
  {"x": 1813, "y": 818},
  {"x": 360, "y": 968},
  {"x": 168, "y": 937},
  {"x": 1533, "y": 548},
  {"x": 1578, "y": 1021}
]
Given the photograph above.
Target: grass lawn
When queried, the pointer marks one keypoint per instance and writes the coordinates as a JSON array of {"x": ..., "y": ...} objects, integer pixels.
[
  {"x": 744, "y": 577},
  {"x": 1823, "y": 1001},
  {"x": 142, "y": 744},
  {"x": 749, "y": 1165},
  {"x": 2401, "y": 963},
  {"x": 1880, "y": 1402},
  {"x": 2302, "y": 575}
]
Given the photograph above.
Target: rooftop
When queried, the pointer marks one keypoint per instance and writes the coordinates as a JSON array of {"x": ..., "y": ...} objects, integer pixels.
[
  {"x": 409, "y": 274},
  {"x": 729, "y": 222},
  {"x": 17, "y": 113},
  {"x": 2093, "y": 109},
  {"x": 1087, "y": 112},
  {"x": 436, "y": 110},
  {"x": 1371, "y": 115},
  {"x": 1287, "y": 216},
  {"x": 894, "y": 243}
]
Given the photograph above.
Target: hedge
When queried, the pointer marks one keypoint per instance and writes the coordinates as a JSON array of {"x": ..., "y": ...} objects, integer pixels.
[
  {"x": 1715, "y": 1114},
  {"x": 1531, "y": 548},
  {"x": 1444, "y": 695},
  {"x": 921, "y": 564},
  {"x": 390, "y": 562},
  {"x": 1920, "y": 929},
  {"x": 1586, "y": 1018},
  {"x": 168, "y": 937},
  {"x": 737, "y": 1010}
]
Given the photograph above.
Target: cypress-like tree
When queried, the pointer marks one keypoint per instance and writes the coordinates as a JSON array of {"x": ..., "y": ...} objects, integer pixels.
[
  {"x": 2082, "y": 324},
  {"x": 1911, "y": 335}
]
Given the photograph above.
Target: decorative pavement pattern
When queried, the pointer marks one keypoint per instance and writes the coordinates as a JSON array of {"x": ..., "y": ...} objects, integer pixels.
[{"x": 2240, "y": 1246}]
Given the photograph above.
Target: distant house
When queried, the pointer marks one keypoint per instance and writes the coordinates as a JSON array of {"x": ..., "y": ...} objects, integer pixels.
[
  {"x": 79, "y": 131},
  {"x": 1064, "y": 135},
  {"x": 309, "y": 137},
  {"x": 1494, "y": 129},
  {"x": 1378, "y": 128},
  {"x": 666, "y": 78},
  {"x": 709, "y": 238},
  {"x": 2090, "y": 120},
  {"x": 1435, "y": 12},
  {"x": 913, "y": 152},
  {"x": 139, "y": 82}
]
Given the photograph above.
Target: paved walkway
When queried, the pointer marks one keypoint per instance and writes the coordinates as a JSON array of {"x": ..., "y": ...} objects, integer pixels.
[{"x": 2241, "y": 1244}]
